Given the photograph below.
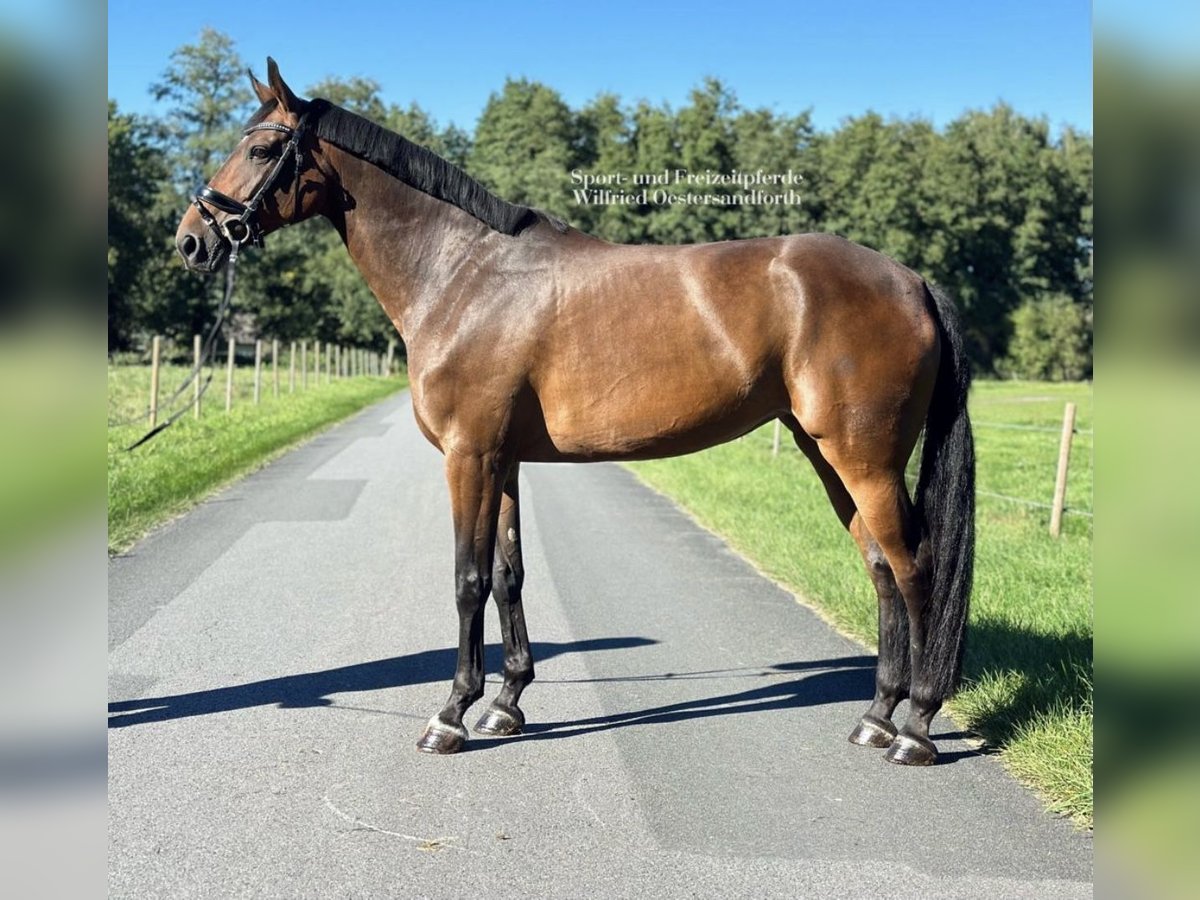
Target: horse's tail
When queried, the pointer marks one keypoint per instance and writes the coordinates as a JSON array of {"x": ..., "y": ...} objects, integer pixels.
[{"x": 945, "y": 501}]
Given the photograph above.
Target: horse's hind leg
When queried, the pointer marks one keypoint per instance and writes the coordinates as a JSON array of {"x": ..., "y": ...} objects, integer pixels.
[
  {"x": 504, "y": 716},
  {"x": 882, "y": 501},
  {"x": 474, "y": 502},
  {"x": 892, "y": 670}
]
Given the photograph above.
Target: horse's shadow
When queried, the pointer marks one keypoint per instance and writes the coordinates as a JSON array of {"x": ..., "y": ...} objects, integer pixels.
[
  {"x": 840, "y": 680},
  {"x": 831, "y": 681},
  {"x": 315, "y": 688}
]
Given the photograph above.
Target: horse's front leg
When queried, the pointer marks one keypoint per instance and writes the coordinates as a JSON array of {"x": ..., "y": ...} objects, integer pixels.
[
  {"x": 504, "y": 716},
  {"x": 474, "y": 501}
]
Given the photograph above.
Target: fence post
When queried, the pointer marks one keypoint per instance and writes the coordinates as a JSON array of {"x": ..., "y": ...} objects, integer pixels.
[
  {"x": 155, "y": 352},
  {"x": 304, "y": 365},
  {"x": 229, "y": 378},
  {"x": 196, "y": 382},
  {"x": 257, "y": 371},
  {"x": 275, "y": 364},
  {"x": 775, "y": 440},
  {"x": 316, "y": 363},
  {"x": 1060, "y": 479},
  {"x": 292, "y": 368},
  {"x": 390, "y": 357},
  {"x": 328, "y": 363}
]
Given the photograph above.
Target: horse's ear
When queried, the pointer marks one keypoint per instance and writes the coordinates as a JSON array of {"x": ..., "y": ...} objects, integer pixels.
[
  {"x": 288, "y": 101},
  {"x": 260, "y": 90}
]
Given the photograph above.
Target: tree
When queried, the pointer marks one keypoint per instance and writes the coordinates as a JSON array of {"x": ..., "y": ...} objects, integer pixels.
[
  {"x": 657, "y": 154},
  {"x": 206, "y": 87},
  {"x": 524, "y": 146},
  {"x": 135, "y": 170},
  {"x": 1005, "y": 221},
  {"x": 1051, "y": 340},
  {"x": 606, "y": 148},
  {"x": 704, "y": 141},
  {"x": 775, "y": 144},
  {"x": 869, "y": 187}
]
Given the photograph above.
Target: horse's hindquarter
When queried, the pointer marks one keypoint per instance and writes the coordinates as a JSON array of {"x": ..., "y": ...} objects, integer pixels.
[{"x": 661, "y": 350}]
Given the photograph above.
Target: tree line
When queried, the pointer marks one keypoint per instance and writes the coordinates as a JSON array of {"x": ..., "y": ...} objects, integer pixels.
[{"x": 995, "y": 207}]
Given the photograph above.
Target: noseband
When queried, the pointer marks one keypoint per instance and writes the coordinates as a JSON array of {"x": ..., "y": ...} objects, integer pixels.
[{"x": 244, "y": 228}]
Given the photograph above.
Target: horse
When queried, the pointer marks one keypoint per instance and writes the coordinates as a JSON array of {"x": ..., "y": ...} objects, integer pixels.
[{"x": 531, "y": 342}]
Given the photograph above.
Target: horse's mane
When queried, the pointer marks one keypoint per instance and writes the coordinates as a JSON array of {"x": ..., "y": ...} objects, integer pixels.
[{"x": 418, "y": 167}]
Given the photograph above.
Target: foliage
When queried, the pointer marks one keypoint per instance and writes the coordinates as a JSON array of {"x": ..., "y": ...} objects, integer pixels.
[
  {"x": 135, "y": 170},
  {"x": 1051, "y": 340},
  {"x": 525, "y": 143}
]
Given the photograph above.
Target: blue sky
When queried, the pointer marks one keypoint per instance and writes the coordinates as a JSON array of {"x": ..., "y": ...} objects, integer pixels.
[{"x": 933, "y": 59}]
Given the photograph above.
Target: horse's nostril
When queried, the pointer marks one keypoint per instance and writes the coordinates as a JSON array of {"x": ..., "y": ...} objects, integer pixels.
[{"x": 188, "y": 246}]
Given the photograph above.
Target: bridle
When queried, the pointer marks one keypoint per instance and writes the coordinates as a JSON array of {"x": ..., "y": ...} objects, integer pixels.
[{"x": 244, "y": 228}]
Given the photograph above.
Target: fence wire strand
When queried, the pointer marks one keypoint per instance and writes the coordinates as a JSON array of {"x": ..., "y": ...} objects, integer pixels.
[{"x": 911, "y": 478}]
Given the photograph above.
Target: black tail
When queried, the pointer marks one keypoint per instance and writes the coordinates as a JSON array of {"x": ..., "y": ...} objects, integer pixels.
[{"x": 946, "y": 503}]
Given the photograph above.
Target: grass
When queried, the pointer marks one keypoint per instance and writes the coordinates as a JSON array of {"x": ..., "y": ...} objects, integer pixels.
[
  {"x": 1028, "y": 670},
  {"x": 195, "y": 457}
]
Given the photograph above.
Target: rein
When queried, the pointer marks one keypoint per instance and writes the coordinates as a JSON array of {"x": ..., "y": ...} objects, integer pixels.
[{"x": 242, "y": 229}]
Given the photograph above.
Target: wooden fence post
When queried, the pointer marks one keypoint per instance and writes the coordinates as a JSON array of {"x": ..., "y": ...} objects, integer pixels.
[
  {"x": 1060, "y": 479},
  {"x": 292, "y": 368},
  {"x": 390, "y": 357},
  {"x": 275, "y": 364},
  {"x": 316, "y": 363},
  {"x": 775, "y": 440},
  {"x": 257, "y": 371},
  {"x": 304, "y": 364},
  {"x": 155, "y": 353},
  {"x": 229, "y": 378},
  {"x": 196, "y": 343},
  {"x": 328, "y": 362}
]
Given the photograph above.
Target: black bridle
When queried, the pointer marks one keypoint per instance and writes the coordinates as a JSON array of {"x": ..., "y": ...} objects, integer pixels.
[{"x": 244, "y": 228}]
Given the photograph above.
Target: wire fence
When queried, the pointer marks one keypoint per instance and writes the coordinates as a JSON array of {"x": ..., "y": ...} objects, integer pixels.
[{"x": 1058, "y": 507}]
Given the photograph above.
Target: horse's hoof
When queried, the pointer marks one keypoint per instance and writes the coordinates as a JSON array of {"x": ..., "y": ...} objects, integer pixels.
[
  {"x": 907, "y": 750},
  {"x": 873, "y": 732},
  {"x": 500, "y": 722},
  {"x": 442, "y": 738}
]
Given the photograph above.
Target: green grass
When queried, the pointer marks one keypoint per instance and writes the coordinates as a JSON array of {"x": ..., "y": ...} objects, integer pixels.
[
  {"x": 194, "y": 457},
  {"x": 1028, "y": 670}
]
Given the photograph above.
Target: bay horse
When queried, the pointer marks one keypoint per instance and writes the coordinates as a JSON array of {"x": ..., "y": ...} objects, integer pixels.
[{"x": 529, "y": 341}]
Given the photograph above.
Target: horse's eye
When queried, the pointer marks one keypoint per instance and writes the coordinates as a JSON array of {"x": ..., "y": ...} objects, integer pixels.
[{"x": 260, "y": 151}]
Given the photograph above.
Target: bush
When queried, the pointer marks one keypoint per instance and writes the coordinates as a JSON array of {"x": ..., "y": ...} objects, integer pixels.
[{"x": 1051, "y": 340}]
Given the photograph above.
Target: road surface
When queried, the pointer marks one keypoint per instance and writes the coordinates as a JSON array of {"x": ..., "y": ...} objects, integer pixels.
[{"x": 275, "y": 653}]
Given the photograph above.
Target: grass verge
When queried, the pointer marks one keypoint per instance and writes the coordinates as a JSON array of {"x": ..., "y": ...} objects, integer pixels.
[
  {"x": 1028, "y": 669},
  {"x": 194, "y": 457}
]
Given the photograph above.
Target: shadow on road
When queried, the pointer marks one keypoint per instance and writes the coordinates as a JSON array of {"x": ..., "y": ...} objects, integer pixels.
[
  {"x": 314, "y": 688},
  {"x": 845, "y": 679}
]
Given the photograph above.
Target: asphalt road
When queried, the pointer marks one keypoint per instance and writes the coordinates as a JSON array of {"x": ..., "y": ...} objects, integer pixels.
[{"x": 274, "y": 654}]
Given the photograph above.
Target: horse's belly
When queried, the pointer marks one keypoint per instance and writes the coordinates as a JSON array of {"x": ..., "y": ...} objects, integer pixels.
[{"x": 641, "y": 418}]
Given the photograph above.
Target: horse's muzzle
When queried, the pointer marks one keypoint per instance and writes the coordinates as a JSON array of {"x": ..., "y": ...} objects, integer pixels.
[{"x": 199, "y": 253}]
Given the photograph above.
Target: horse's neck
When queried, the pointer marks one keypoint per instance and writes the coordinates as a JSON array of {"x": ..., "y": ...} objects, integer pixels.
[{"x": 406, "y": 244}]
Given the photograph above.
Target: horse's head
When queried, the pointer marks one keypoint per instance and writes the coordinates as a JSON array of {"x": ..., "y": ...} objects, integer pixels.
[{"x": 271, "y": 179}]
